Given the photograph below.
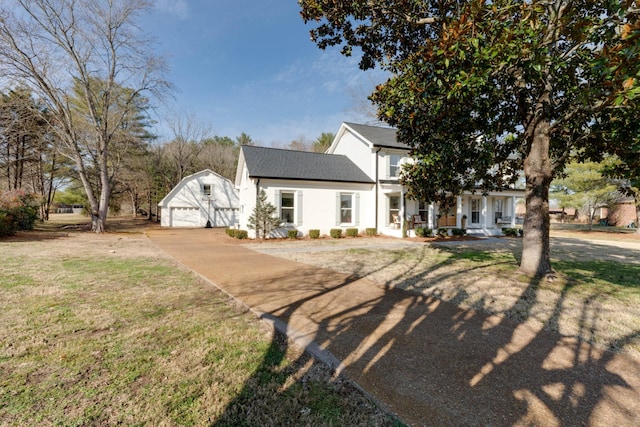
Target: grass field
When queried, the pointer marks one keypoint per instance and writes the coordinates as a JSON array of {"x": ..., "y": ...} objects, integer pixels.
[{"x": 105, "y": 330}]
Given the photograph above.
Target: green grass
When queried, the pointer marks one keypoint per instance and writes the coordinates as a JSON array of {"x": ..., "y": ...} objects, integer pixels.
[
  {"x": 90, "y": 339},
  {"x": 616, "y": 279}
]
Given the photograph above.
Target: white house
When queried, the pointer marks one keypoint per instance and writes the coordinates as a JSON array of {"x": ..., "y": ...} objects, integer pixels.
[
  {"x": 309, "y": 190},
  {"x": 200, "y": 199},
  {"x": 356, "y": 184}
]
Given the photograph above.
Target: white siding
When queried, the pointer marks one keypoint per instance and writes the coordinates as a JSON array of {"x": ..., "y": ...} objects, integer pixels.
[
  {"x": 315, "y": 204},
  {"x": 358, "y": 151},
  {"x": 187, "y": 206}
]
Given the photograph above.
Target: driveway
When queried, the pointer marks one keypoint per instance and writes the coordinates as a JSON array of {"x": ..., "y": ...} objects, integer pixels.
[{"x": 429, "y": 362}]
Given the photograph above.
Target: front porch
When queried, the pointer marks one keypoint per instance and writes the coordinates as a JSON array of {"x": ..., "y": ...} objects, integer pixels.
[{"x": 479, "y": 215}]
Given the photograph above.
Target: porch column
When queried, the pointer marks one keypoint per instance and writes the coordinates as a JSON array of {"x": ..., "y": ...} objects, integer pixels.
[
  {"x": 459, "y": 212},
  {"x": 431, "y": 215},
  {"x": 485, "y": 214},
  {"x": 513, "y": 211}
]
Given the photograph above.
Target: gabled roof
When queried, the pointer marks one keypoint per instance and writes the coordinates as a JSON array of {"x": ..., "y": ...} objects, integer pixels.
[
  {"x": 377, "y": 135},
  {"x": 275, "y": 163}
]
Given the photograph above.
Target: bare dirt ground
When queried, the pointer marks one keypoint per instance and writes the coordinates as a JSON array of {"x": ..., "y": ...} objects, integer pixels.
[{"x": 571, "y": 306}]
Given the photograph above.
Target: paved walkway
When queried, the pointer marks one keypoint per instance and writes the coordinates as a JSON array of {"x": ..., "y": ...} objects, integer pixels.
[{"x": 429, "y": 362}]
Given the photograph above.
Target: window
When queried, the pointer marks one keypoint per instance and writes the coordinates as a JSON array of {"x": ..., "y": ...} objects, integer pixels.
[
  {"x": 206, "y": 189},
  {"x": 394, "y": 165},
  {"x": 498, "y": 211},
  {"x": 346, "y": 208},
  {"x": 394, "y": 210},
  {"x": 423, "y": 211},
  {"x": 286, "y": 207},
  {"x": 475, "y": 211}
]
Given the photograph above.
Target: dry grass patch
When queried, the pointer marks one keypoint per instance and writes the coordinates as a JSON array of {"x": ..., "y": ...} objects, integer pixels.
[
  {"x": 106, "y": 330},
  {"x": 594, "y": 297}
]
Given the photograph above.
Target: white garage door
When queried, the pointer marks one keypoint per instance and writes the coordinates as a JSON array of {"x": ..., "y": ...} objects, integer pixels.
[
  {"x": 225, "y": 217},
  {"x": 187, "y": 217}
]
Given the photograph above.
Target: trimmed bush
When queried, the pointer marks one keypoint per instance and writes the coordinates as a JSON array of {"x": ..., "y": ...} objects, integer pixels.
[
  {"x": 512, "y": 232},
  {"x": 336, "y": 233},
  {"x": 423, "y": 232},
  {"x": 241, "y": 234},
  {"x": 352, "y": 232},
  {"x": 371, "y": 232},
  {"x": 292, "y": 234},
  {"x": 231, "y": 232},
  {"x": 442, "y": 232},
  {"x": 458, "y": 231},
  {"x": 314, "y": 234}
]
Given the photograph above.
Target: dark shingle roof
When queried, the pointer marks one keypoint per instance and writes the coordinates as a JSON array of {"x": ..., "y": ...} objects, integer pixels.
[
  {"x": 263, "y": 162},
  {"x": 378, "y": 136}
]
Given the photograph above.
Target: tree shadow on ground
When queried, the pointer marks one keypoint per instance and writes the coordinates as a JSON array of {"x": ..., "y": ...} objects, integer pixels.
[{"x": 434, "y": 363}]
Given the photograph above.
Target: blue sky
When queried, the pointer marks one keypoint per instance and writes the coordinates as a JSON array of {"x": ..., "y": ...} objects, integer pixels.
[{"x": 250, "y": 66}]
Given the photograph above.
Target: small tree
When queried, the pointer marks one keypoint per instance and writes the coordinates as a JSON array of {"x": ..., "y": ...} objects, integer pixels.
[
  {"x": 263, "y": 219},
  {"x": 584, "y": 187}
]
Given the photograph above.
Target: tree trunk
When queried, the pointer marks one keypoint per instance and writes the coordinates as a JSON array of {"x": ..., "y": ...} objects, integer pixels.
[{"x": 536, "y": 258}]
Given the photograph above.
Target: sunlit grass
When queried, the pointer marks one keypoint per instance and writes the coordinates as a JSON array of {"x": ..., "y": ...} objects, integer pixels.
[{"x": 92, "y": 340}]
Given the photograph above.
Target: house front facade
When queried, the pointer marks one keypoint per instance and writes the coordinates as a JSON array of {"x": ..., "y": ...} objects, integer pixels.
[
  {"x": 199, "y": 200},
  {"x": 309, "y": 190},
  {"x": 360, "y": 190}
]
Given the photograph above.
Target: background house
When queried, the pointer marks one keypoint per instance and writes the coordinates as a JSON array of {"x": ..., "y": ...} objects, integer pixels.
[
  {"x": 202, "y": 197},
  {"x": 356, "y": 184}
]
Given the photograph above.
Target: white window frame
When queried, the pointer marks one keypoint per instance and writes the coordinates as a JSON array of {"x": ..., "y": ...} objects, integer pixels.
[
  {"x": 499, "y": 209},
  {"x": 291, "y": 208},
  {"x": 476, "y": 210},
  {"x": 393, "y": 211},
  {"x": 423, "y": 210},
  {"x": 395, "y": 165},
  {"x": 206, "y": 187},
  {"x": 350, "y": 208}
]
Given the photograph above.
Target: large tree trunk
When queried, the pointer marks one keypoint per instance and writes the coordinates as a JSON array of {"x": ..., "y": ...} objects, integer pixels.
[{"x": 536, "y": 258}]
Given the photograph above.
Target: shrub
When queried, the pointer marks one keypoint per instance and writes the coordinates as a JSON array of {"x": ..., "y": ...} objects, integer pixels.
[
  {"x": 18, "y": 211},
  {"x": 371, "y": 232},
  {"x": 7, "y": 225},
  {"x": 443, "y": 232},
  {"x": 352, "y": 232},
  {"x": 231, "y": 232},
  {"x": 424, "y": 232},
  {"x": 314, "y": 234},
  {"x": 458, "y": 231},
  {"x": 241, "y": 234},
  {"x": 336, "y": 233},
  {"x": 512, "y": 232},
  {"x": 293, "y": 234}
]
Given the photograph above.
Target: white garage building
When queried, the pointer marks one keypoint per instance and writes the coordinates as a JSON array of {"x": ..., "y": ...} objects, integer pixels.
[{"x": 202, "y": 197}]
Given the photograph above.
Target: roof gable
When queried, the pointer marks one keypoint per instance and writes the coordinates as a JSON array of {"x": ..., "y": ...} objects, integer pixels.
[
  {"x": 263, "y": 162},
  {"x": 378, "y": 136}
]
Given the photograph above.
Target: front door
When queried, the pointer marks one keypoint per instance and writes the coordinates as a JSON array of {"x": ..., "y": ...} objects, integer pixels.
[{"x": 447, "y": 215}]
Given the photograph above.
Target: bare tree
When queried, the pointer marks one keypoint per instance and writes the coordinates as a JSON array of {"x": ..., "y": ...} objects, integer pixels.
[
  {"x": 180, "y": 155},
  {"x": 54, "y": 46}
]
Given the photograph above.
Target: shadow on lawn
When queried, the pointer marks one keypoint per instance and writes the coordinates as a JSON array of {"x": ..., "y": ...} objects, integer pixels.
[{"x": 434, "y": 363}]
